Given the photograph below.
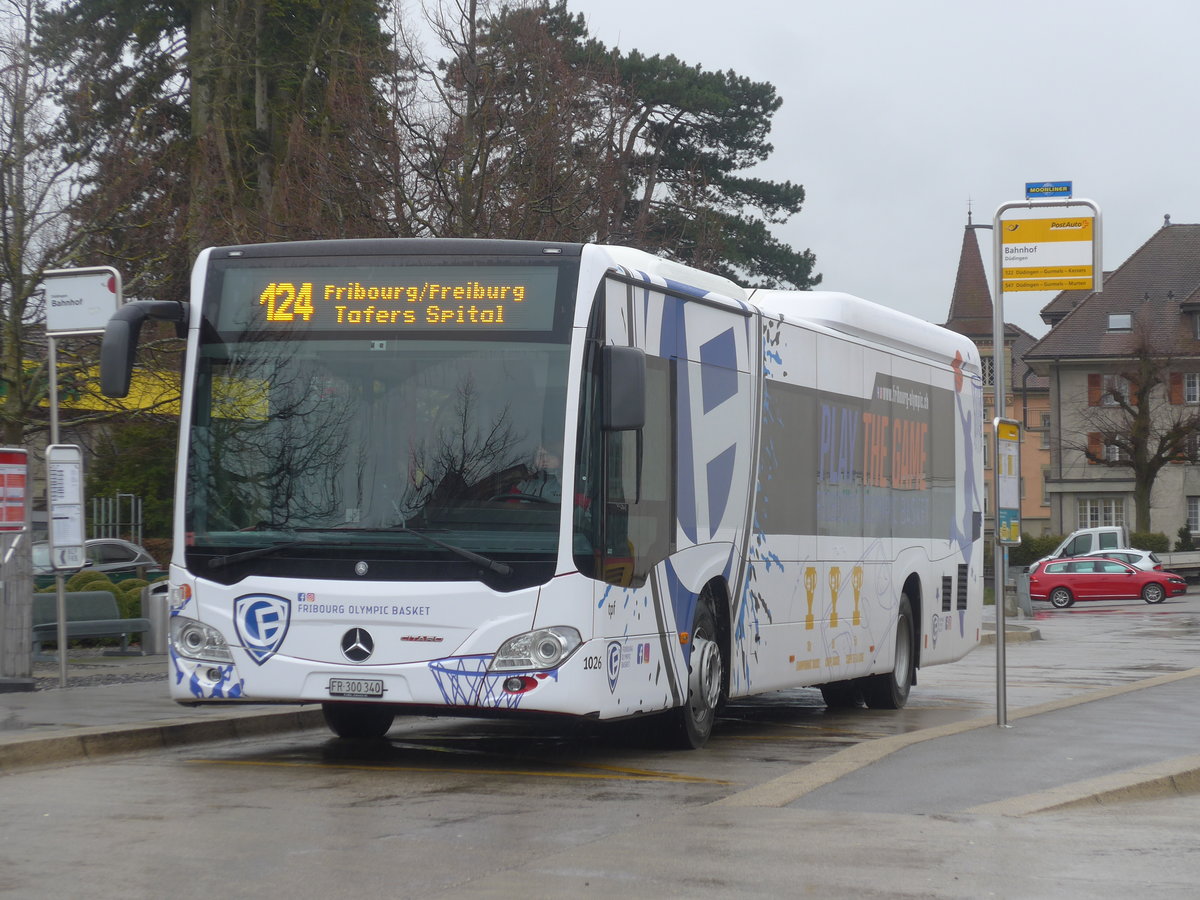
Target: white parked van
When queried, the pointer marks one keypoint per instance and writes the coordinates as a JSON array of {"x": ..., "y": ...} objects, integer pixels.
[{"x": 1089, "y": 540}]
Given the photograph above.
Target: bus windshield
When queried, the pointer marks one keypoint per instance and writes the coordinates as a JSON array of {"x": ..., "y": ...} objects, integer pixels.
[{"x": 413, "y": 453}]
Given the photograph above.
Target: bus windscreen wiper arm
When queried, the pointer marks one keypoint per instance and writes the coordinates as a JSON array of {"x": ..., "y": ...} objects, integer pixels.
[{"x": 220, "y": 562}]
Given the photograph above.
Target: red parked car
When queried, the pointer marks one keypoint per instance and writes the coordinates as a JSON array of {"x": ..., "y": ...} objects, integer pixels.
[{"x": 1063, "y": 581}]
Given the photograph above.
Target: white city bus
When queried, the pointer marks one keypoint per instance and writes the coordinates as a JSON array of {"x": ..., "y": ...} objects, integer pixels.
[{"x": 478, "y": 477}]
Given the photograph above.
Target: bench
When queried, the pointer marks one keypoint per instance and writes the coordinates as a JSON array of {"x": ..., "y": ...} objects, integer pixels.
[{"x": 90, "y": 614}]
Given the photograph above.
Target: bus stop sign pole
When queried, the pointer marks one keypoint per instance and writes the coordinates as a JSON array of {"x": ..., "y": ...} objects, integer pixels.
[{"x": 1027, "y": 275}]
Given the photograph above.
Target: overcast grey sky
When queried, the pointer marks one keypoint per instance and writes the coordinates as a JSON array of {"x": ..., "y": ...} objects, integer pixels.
[{"x": 896, "y": 113}]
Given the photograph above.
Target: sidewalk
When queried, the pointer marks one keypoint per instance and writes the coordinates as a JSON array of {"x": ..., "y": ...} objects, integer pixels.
[{"x": 120, "y": 705}]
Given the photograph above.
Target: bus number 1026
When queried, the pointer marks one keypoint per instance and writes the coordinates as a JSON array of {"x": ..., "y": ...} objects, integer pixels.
[{"x": 284, "y": 303}]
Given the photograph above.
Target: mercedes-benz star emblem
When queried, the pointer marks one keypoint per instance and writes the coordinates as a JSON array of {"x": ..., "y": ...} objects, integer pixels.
[{"x": 357, "y": 645}]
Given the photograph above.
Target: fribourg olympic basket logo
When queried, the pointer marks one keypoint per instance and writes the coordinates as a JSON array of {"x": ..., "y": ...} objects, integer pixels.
[
  {"x": 262, "y": 622},
  {"x": 613, "y": 664}
]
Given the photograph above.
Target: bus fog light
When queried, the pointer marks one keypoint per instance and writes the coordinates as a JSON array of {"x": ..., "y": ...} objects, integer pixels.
[
  {"x": 545, "y": 648},
  {"x": 519, "y": 684},
  {"x": 196, "y": 640}
]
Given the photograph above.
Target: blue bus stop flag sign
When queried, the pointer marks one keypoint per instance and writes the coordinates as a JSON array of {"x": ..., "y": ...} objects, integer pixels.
[{"x": 1047, "y": 190}]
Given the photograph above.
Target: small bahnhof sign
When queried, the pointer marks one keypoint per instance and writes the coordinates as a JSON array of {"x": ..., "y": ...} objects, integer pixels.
[
  {"x": 1048, "y": 254},
  {"x": 80, "y": 301},
  {"x": 1047, "y": 190}
]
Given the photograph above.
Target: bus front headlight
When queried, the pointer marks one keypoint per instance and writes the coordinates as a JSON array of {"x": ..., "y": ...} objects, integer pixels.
[
  {"x": 545, "y": 648},
  {"x": 196, "y": 640}
]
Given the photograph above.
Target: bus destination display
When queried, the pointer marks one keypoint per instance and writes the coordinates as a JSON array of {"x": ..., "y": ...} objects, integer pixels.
[{"x": 425, "y": 298}]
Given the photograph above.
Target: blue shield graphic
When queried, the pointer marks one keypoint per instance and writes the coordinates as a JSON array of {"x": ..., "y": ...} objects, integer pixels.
[
  {"x": 262, "y": 622},
  {"x": 613, "y": 664}
]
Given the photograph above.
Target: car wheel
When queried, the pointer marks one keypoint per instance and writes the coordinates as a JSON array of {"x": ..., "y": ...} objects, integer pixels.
[
  {"x": 1154, "y": 593},
  {"x": 1060, "y": 598}
]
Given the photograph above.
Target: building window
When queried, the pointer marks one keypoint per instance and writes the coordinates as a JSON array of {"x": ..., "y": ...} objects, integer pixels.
[
  {"x": 1045, "y": 486},
  {"x": 1103, "y": 390},
  {"x": 1194, "y": 514},
  {"x": 1114, "y": 386},
  {"x": 1096, "y": 511},
  {"x": 1120, "y": 322},
  {"x": 987, "y": 367},
  {"x": 1191, "y": 387},
  {"x": 1045, "y": 431}
]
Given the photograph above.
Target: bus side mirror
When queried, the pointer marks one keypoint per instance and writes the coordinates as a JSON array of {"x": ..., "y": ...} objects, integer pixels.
[
  {"x": 121, "y": 339},
  {"x": 624, "y": 388}
]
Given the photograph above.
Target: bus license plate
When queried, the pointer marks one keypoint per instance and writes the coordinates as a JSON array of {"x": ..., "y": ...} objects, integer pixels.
[{"x": 355, "y": 687}]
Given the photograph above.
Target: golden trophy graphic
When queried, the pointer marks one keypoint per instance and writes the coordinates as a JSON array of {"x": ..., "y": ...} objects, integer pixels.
[
  {"x": 835, "y": 576},
  {"x": 856, "y": 580},
  {"x": 810, "y": 587}
]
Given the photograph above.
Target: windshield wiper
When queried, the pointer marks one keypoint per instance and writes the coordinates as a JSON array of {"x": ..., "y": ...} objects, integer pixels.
[
  {"x": 469, "y": 555},
  {"x": 220, "y": 562}
]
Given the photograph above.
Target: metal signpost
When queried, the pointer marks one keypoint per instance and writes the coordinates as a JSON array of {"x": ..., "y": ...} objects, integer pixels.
[
  {"x": 1007, "y": 528},
  {"x": 1043, "y": 254},
  {"x": 64, "y": 503},
  {"x": 78, "y": 302}
]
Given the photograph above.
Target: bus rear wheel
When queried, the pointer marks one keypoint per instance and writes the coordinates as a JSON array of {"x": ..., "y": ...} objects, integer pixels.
[
  {"x": 358, "y": 721},
  {"x": 890, "y": 689}
]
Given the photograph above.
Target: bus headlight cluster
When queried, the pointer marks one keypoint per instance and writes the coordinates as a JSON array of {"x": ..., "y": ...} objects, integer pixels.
[
  {"x": 196, "y": 640},
  {"x": 545, "y": 648}
]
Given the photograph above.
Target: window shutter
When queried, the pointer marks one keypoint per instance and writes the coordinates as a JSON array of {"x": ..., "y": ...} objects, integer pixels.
[
  {"x": 1176, "y": 390},
  {"x": 1095, "y": 447},
  {"x": 1095, "y": 386}
]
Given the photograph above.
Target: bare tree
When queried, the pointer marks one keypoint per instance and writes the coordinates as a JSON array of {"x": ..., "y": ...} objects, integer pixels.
[{"x": 35, "y": 231}]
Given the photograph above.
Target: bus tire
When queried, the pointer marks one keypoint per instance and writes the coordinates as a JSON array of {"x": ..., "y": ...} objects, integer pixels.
[
  {"x": 889, "y": 690},
  {"x": 358, "y": 721},
  {"x": 688, "y": 727},
  {"x": 840, "y": 694}
]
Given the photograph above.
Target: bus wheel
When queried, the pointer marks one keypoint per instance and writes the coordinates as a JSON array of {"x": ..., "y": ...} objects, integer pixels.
[
  {"x": 689, "y": 726},
  {"x": 890, "y": 690},
  {"x": 840, "y": 694},
  {"x": 358, "y": 720}
]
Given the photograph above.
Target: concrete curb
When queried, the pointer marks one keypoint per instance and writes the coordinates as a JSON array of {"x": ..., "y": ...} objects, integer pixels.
[
  {"x": 98, "y": 742},
  {"x": 1013, "y": 634},
  {"x": 1170, "y": 778},
  {"x": 781, "y": 791}
]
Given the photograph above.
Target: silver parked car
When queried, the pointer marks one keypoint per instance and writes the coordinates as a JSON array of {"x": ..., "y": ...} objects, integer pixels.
[
  {"x": 103, "y": 555},
  {"x": 1139, "y": 559}
]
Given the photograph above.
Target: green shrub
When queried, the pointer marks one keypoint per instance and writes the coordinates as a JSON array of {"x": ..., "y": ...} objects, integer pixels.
[
  {"x": 1155, "y": 541},
  {"x": 1033, "y": 548},
  {"x": 82, "y": 581},
  {"x": 130, "y": 598},
  {"x": 1185, "y": 541}
]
